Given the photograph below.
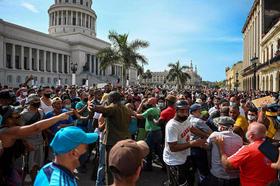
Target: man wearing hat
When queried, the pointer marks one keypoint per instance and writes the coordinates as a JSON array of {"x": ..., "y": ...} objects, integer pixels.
[
  {"x": 30, "y": 115},
  {"x": 57, "y": 106},
  {"x": 68, "y": 145},
  {"x": 126, "y": 161},
  {"x": 199, "y": 155},
  {"x": 176, "y": 152},
  {"x": 232, "y": 143},
  {"x": 7, "y": 98}
]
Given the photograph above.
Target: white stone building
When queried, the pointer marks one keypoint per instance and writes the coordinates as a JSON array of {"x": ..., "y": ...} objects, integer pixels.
[
  {"x": 49, "y": 57},
  {"x": 160, "y": 79}
]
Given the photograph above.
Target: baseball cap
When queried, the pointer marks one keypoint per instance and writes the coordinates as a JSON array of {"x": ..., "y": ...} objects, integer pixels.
[
  {"x": 56, "y": 99},
  {"x": 68, "y": 138},
  {"x": 195, "y": 107},
  {"x": 224, "y": 120},
  {"x": 199, "y": 101},
  {"x": 171, "y": 98},
  {"x": 33, "y": 97},
  {"x": 181, "y": 104},
  {"x": 126, "y": 156}
]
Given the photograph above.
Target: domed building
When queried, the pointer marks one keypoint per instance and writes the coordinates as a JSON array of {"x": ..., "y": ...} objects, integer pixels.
[{"x": 69, "y": 48}]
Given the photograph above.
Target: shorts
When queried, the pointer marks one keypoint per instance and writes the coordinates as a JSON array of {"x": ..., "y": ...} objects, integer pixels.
[{"x": 181, "y": 175}]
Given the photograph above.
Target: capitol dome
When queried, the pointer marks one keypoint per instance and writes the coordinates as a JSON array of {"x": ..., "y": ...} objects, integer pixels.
[{"x": 72, "y": 16}]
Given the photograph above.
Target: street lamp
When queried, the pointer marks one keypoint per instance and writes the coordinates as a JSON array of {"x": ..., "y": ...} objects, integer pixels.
[
  {"x": 254, "y": 62},
  {"x": 74, "y": 68}
]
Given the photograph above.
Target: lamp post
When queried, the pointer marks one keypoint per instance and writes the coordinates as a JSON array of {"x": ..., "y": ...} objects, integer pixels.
[
  {"x": 254, "y": 62},
  {"x": 73, "y": 67}
]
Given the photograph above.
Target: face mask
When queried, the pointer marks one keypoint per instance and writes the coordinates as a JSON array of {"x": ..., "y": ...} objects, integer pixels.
[
  {"x": 36, "y": 105},
  {"x": 86, "y": 100},
  {"x": 160, "y": 105},
  {"x": 47, "y": 95},
  {"x": 1, "y": 118},
  {"x": 251, "y": 117},
  {"x": 24, "y": 93},
  {"x": 278, "y": 118},
  {"x": 231, "y": 103},
  {"x": 123, "y": 102},
  {"x": 247, "y": 136},
  {"x": 183, "y": 118},
  {"x": 68, "y": 106}
]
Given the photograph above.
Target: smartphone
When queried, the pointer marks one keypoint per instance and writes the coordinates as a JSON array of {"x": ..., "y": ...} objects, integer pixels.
[{"x": 269, "y": 150}]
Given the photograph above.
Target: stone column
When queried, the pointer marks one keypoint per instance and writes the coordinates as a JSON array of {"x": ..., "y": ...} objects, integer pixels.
[
  {"x": 21, "y": 63},
  {"x": 99, "y": 66},
  {"x": 57, "y": 69},
  {"x": 275, "y": 81},
  {"x": 30, "y": 59},
  {"x": 13, "y": 56},
  {"x": 82, "y": 20},
  {"x": 4, "y": 55},
  {"x": 90, "y": 64},
  {"x": 57, "y": 16},
  {"x": 37, "y": 59},
  {"x": 45, "y": 61},
  {"x": 76, "y": 18},
  {"x": 68, "y": 64},
  {"x": 62, "y": 65},
  {"x": 67, "y": 18},
  {"x": 51, "y": 62},
  {"x": 71, "y": 18}
]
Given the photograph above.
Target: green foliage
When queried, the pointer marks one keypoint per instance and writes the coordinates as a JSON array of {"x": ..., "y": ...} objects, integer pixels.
[
  {"x": 176, "y": 73},
  {"x": 124, "y": 53}
]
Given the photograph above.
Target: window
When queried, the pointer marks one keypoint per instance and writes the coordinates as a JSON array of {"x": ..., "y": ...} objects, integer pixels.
[
  {"x": 42, "y": 79},
  {"x": 25, "y": 63},
  {"x": 74, "y": 21},
  {"x": 9, "y": 61},
  {"x": 74, "y": 1},
  {"x": 113, "y": 69},
  {"x": 9, "y": 78},
  {"x": 49, "y": 80},
  {"x": 82, "y": 2},
  {"x": 66, "y": 1},
  {"x": 86, "y": 3},
  {"x": 18, "y": 79},
  {"x": 17, "y": 62}
]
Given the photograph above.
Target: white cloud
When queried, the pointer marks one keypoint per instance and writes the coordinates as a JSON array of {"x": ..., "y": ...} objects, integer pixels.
[{"x": 30, "y": 7}]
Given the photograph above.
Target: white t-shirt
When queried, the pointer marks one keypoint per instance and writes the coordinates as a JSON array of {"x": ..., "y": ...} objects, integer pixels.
[{"x": 180, "y": 133}]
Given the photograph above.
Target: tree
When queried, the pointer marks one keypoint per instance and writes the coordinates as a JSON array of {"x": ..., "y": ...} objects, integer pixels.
[
  {"x": 176, "y": 73},
  {"x": 124, "y": 53}
]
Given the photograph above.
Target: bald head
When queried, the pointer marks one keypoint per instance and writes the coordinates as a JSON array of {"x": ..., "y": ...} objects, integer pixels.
[{"x": 256, "y": 131}]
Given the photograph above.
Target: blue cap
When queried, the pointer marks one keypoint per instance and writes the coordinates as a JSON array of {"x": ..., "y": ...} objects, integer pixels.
[
  {"x": 68, "y": 138},
  {"x": 195, "y": 107}
]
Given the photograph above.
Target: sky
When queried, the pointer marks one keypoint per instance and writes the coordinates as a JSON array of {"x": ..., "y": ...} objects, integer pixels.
[{"x": 206, "y": 32}]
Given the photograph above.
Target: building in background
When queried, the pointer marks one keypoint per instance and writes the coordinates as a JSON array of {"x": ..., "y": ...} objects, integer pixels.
[
  {"x": 261, "y": 37},
  {"x": 234, "y": 80},
  {"x": 160, "y": 79},
  {"x": 50, "y": 58}
]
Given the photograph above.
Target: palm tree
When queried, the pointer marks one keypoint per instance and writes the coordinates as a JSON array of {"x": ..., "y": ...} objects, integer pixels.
[
  {"x": 122, "y": 52},
  {"x": 176, "y": 73}
]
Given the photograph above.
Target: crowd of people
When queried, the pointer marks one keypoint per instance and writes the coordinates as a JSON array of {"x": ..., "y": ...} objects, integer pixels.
[{"x": 198, "y": 136}]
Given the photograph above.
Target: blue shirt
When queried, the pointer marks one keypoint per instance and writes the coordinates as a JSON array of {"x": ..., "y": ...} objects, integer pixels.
[
  {"x": 54, "y": 174},
  {"x": 54, "y": 128},
  {"x": 81, "y": 105}
]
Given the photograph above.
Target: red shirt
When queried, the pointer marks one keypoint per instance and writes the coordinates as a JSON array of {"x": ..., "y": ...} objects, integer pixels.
[
  {"x": 168, "y": 114},
  {"x": 254, "y": 167}
]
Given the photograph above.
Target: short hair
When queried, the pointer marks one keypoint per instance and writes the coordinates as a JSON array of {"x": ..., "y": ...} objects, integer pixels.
[
  {"x": 252, "y": 109},
  {"x": 45, "y": 87},
  {"x": 115, "y": 96}
]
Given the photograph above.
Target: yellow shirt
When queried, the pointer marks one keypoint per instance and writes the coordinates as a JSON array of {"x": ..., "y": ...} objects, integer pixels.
[
  {"x": 271, "y": 130},
  {"x": 242, "y": 123}
]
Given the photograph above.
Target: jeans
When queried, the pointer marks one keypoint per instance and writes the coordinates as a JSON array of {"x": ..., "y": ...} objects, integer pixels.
[
  {"x": 154, "y": 141},
  {"x": 101, "y": 167},
  {"x": 199, "y": 159}
]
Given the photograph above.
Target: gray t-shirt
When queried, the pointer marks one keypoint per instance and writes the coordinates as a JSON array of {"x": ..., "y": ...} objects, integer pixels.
[
  {"x": 232, "y": 143},
  {"x": 199, "y": 124},
  {"x": 27, "y": 115}
]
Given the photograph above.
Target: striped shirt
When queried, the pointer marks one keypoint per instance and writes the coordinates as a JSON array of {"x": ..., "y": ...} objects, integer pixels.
[{"x": 54, "y": 174}]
